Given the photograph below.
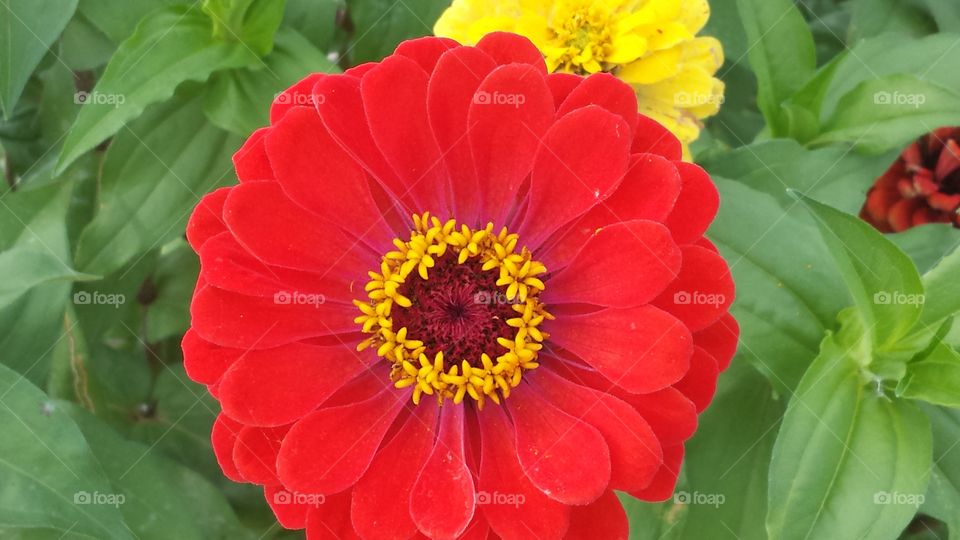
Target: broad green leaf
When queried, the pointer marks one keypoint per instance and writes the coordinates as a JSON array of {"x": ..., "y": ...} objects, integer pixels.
[
  {"x": 934, "y": 379},
  {"x": 882, "y": 114},
  {"x": 943, "y": 493},
  {"x": 168, "y": 313},
  {"x": 927, "y": 245},
  {"x": 161, "y": 499},
  {"x": 379, "y": 25},
  {"x": 946, "y": 13},
  {"x": 117, "y": 19},
  {"x": 727, "y": 460},
  {"x": 847, "y": 463},
  {"x": 83, "y": 46},
  {"x": 154, "y": 173},
  {"x": 315, "y": 20},
  {"x": 653, "y": 521},
  {"x": 169, "y": 47},
  {"x": 251, "y": 22},
  {"x": 788, "y": 292},
  {"x": 50, "y": 478},
  {"x": 239, "y": 100},
  {"x": 27, "y": 30},
  {"x": 29, "y": 265},
  {"x": 883, "y": 281},
  {"x": 802, "y": 110},
  {"x": 832, "y": 174},
  {"x": 942, "y": 290},
  {"x": 875, "y": 17},
  {"x": 782, "y": 53}
]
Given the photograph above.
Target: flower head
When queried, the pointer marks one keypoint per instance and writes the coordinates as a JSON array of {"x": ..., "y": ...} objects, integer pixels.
[
  {"x": 922, "y": 186},
  {"x": 455, "y": 296},
  {"x": 651, "y": 44}
]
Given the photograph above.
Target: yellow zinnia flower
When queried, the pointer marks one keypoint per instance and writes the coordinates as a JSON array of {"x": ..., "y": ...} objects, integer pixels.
[{"x": 650, "y": 44}]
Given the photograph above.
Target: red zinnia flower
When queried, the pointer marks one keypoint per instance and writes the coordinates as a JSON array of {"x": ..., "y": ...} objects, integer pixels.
[
  {"x": 495, "y": 371},
  {"x": 922, "y": 186}
]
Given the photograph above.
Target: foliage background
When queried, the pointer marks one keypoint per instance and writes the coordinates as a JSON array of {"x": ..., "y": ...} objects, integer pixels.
[{"x": 118, "y": 115}]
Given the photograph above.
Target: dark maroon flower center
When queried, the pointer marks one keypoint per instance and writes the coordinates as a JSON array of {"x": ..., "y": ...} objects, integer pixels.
[{"x": 460, "y": 310}]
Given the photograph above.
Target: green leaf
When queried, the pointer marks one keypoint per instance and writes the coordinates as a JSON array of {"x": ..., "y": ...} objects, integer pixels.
[
  {"x": 29, "y": 265},
  {"x": 875, "y": 17},
  {"x": 927, "y": 245},
  {"x": 117, "y": 19},
  {"x": 170, "y": 47},
  {"x": 943, "y": 493},
  {"x": 50, "y": 478},
  {"x": 883, "y": 281},
  {"x": 239, "y": 100},
  {"x": 934, "y": 379},
  {"x": 168, "y": 314},
  {"x": 251, "y": 22},
  {"x": 886, "y": 113},
  {"x": 161, "y": 499},
  {"x": 788, "y": 292},
  {"x": 380, "y": 24},
  {"x": 315, "y": 20},
  {"x": 27, "y": 30},
  {"x": 727, "y": 460},
  {"x": 83, "y": 46},
  {"x": 942, "y": 290},
  {"x": 946, "y": 13},
  {"x": 782, "y": 53},
  {"x": 848, "y": 463},
  {"x": 154, "y": 173}
]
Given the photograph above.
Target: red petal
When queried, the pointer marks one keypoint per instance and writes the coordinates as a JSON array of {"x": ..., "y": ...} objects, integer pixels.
[
  {"x": 232, "y": 320},
  {"x": 642, "y": 349},
  {"x": 648, "y": 191},
  {"x": 666, "y": 480},
  {"x": 901, "y": 214},
  {"x": 949, "y": 161},
  {"x": 702, "y": 292},
  {"x": 561, "y": 84},
  {"x": 278, "y": 232},
  {"x": 651, "y": 137},
  {"x": 380, "y": 508},
  {"x": 329, "y": 450},
  {"x": 566, "y": 458},
  {"x": 635, "y": 454},
  {"x": 318, "y": 175},
  {"x": 696, "y": 206},
  {"x": 426, "y": 51},
  {"x": 442, "y": 501},
  {"x": 508, "y": 48},
  {"x": 225, "y": 264},
  {"x": 604, "y": 90},
  {"x": 671, "y": 415},
  {"x": 203, "y": 361},
  {"x": 331, "y": 520},
  {"x": 505, "y": 133},
  {"x": 223, "y": 437},
  {"x": 700, "y": 383},
  {"x": 395, "y": 100},
  {"x": 513, "y": 506},
  {"x": 572, "y": 173},
  {"x": 298, "y": 95},
  {"x": 255, "y": 454},
  {"x": 623, "y": 265},
  {"x": 207, "y": 218},
  {"x": 720, "y": 339},
  {"x": 340, "y": 105},
  {"x": 274, "y": 387},
  {"x": 603, "y": 518},
  {"x": 452, "y": 88},
  {"x": 291, "y": 509},
  {"x": 251, "y": 161}
]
